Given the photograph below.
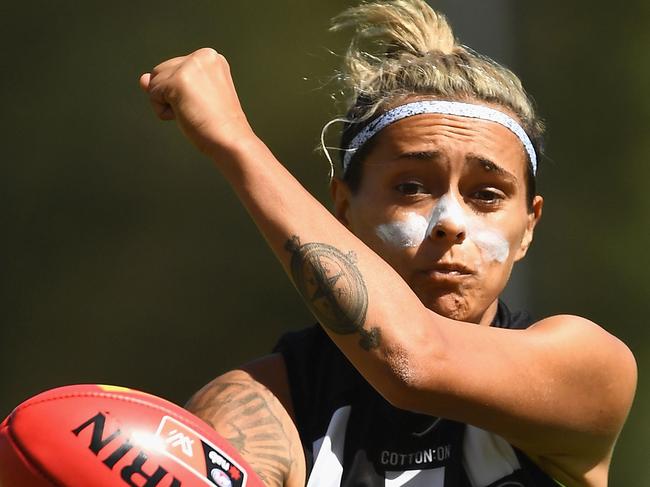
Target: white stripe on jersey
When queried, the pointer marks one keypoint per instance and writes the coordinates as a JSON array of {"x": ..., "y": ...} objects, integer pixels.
[
  {"x": 328, "y": 452},
  {"x": 487, "y": 457},
  {"x": 434, "y": 477}
]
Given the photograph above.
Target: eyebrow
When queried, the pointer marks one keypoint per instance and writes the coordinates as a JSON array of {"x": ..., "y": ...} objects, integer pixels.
[
  {"x": 489, "y": 166},
  {"x": 422, "y": 155},
  {"x": 480, "y": 162}
]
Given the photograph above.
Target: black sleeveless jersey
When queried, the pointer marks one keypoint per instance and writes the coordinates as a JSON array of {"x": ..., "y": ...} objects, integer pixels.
[{"x": 353, "y": 437}]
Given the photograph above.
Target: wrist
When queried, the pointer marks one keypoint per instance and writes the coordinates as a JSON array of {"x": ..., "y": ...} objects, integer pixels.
[
  {"x": 226, "y": 148},
  {"x": 240, "y": 148}
]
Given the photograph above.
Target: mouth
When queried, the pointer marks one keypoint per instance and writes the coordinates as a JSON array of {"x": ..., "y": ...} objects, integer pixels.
[
  {"x": 453, "y": 268},
  {"x": 449, "y": 271}
]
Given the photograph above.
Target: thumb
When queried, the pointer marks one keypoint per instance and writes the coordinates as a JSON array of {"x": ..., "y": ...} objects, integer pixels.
[{"x": 144, "y": 81}]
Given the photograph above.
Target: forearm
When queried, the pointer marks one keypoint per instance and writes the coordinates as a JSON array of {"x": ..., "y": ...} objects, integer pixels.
[{"x": 363, "y": 304}]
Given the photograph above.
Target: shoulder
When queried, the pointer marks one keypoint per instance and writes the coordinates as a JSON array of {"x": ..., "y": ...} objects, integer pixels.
[
  {"x": 582, "y": 339},
  {"x": 594, "y": 361},
  {"x": 251, "y": 408}
]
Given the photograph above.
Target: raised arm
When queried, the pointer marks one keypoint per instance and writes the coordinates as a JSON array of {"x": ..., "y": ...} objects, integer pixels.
[{"x": 551, "y": 390}]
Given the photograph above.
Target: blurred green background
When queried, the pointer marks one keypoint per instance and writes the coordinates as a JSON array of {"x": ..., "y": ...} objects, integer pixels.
[{"x": 127, "y": 260}]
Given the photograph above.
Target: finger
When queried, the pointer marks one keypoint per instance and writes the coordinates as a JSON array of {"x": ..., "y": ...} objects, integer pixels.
[
  {"x": 167, "y": 65},
  {"x": 155, "y": 81},
  {"x": 161, "y": 71},
  {"x": 156, "y": 90},
  {"x": 163, "y": 111}
]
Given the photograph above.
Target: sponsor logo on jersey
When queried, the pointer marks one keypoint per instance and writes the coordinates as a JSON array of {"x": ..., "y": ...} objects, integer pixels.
[{"x": 420, "y": 457}]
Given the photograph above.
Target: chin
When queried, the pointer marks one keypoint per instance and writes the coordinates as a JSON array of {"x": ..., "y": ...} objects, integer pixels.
[
  {"x": 452, "y": 305},
  {"x": 467, "y": 302}
]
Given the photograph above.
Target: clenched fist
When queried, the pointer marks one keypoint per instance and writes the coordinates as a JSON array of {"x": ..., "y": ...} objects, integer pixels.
[{"x": 198, "y": 92}]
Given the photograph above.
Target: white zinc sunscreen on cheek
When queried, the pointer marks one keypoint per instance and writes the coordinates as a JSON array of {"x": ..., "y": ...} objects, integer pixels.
[
  {"x": 410, "y": 232},
  {"x": 493, "y": 245}
]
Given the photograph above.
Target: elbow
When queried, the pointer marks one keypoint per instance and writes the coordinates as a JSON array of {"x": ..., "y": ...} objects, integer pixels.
[{"x": 412, "y": 379}]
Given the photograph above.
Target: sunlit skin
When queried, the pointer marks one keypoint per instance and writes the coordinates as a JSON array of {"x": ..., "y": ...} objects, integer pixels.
[
  {"x": 511, "y": 383},
  {"x": 410, "y": 166}
]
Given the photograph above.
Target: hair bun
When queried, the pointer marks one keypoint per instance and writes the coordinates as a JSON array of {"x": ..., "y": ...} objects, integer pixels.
[
  {"x": 401, "y": 49},
  {"x": 391, "y": 27}
]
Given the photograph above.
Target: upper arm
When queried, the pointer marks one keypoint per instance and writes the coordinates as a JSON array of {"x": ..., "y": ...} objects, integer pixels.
[
  {"x": 250, "y": 407},
  {"x": 562, "y": 387}
]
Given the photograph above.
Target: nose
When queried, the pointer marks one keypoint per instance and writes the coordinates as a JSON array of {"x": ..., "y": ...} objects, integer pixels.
[
  {"x": 450, "y": 231},
  {"x": 448, "y": 222}
]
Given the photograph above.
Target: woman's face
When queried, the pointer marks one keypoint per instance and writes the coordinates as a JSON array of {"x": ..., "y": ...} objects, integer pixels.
[{"x": 443, "y": 200}]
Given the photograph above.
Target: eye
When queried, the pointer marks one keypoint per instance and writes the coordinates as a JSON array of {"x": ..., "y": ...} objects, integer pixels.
[
  {"x": 411, "y": 188},
  {"x": 488, "y": 196}
]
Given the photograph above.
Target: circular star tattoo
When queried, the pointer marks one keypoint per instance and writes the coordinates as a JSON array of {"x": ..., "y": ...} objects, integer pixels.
[{"x": 331, "y": 284}]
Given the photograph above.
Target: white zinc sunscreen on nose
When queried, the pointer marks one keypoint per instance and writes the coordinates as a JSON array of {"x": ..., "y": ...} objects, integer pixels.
[
  {"x": 412, "y": 231},
  {"x": 449, "y": 211}
]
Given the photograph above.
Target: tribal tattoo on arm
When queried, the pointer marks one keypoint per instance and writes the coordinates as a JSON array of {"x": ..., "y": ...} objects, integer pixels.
[
  {"x": 331, "y": 284},
  {"x": 252, "y": 419}
]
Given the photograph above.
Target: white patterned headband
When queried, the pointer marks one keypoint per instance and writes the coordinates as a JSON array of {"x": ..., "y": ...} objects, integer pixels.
[{"x": 444, "y": 108}]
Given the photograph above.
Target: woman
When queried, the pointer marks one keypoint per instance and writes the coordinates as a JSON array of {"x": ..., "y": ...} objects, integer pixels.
[{"x": 426, "y": 378}]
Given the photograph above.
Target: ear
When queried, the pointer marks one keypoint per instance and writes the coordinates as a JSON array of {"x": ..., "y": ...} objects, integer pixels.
[
  {"x": 533, "y": 218},
  {"x": 341, "y": 194}
]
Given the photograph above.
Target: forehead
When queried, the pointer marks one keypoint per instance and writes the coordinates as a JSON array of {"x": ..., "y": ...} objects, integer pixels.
[{"x": 456, "y": 139}]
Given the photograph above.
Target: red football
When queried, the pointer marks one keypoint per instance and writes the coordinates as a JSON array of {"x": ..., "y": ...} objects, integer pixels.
[{"x": 94, "y": 435}]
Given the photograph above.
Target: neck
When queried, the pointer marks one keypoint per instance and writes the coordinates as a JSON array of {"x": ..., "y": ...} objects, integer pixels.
[{"x": 489, "y": 314}]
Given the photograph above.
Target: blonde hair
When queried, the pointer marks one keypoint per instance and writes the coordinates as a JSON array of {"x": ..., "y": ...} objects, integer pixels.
[{"x": 404, "y": 48}]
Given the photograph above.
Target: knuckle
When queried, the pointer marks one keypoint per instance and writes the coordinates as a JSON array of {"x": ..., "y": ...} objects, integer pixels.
[
  {"x": 184, "y": 76},
  {"x": 177, "y": 87},
  {"x": 209, "y": 56},
  {"x": 207, "y": 52}
]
